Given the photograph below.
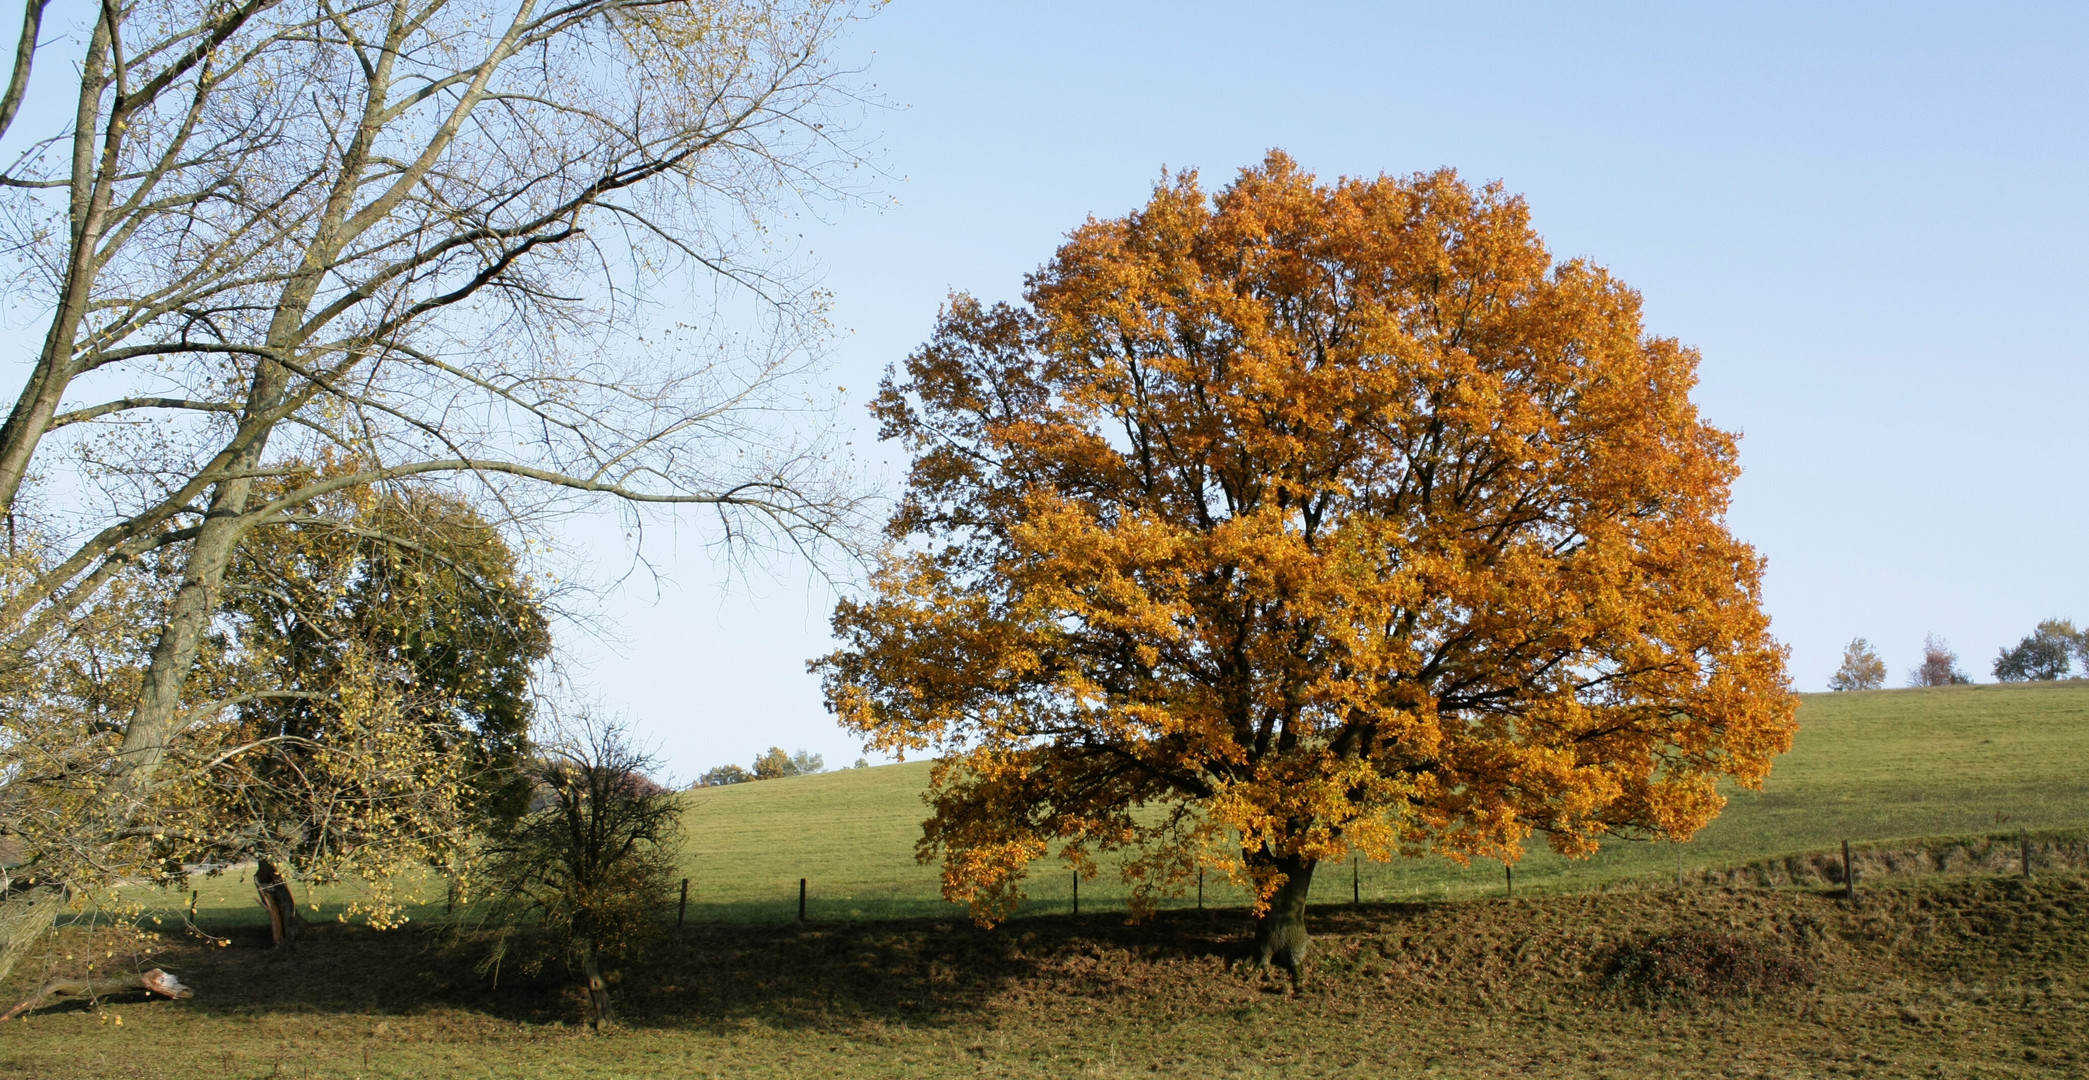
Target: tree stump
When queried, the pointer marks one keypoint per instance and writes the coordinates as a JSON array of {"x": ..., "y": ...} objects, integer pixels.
[
  {"x": 601, "y": 1014},
  {"x": 274, "y": 891}
]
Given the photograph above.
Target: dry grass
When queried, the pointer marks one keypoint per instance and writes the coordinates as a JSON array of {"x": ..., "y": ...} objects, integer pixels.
[{"x": 1955, "y": 977}]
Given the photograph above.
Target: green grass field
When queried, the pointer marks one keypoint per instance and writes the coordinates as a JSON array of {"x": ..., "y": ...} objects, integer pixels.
[
  {"x": 1983, "y": 974},
  {"x": 1880, "y": 767}
]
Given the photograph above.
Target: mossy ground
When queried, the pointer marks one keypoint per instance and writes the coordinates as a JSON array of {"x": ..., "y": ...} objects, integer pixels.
[{"x": 1943, "y": 976}]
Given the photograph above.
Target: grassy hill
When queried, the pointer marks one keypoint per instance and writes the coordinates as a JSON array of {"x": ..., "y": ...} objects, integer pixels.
[{"x": 1880, "y": 766}]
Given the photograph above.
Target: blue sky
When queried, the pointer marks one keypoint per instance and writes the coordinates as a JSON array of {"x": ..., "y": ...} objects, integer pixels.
[{"x": 1870, "y": 219}]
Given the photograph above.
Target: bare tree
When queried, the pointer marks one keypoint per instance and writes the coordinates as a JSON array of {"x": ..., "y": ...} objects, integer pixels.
[
  {"x": 426, "y": 239},
  {"x": 1939, "y": 665},
  {"x": 591, "y": 862}
]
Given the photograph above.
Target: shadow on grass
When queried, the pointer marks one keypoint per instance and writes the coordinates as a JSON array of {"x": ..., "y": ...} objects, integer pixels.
[
  {"x": 847, "y": 972},
  {"x": 1540, "y": 957},
  {"x": 923, "y": 972}
]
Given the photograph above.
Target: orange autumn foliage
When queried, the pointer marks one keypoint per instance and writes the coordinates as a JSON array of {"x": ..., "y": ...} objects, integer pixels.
[{"x": 1304, "y": 520}]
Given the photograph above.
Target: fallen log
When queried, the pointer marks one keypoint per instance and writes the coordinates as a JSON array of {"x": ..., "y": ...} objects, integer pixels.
[{"x": 152, "y": 982}]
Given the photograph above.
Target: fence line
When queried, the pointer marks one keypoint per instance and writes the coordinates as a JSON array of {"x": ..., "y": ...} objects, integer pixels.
[{"x": 1841, "y": 869}]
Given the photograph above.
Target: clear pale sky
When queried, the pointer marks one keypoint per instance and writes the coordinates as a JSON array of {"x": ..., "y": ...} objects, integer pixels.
[{"x": 1870, "y": 220}]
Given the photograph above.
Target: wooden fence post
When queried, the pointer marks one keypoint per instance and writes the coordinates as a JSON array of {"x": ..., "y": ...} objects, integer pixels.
[
  {"x": 801, "y": 899},
  {"x": 2023, "y": 843},
  {"x": 1849, "y": 876},
  {"x": 1509, "y": 872},
  {"x": 1077, "y": 890},
  {"x": 682, "y": 912},
  {"x": 1356, "y": 888}
]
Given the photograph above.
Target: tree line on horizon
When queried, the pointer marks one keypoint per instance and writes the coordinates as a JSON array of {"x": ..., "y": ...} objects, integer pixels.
[
  {"x": 772, "y": 765},
  {"x": 2049, "y": 652}
]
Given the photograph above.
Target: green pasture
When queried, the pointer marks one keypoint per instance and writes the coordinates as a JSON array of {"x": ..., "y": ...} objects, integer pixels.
[
  {"x": 1877, "y": 766},
  {"x": 1874, "y": 767}
]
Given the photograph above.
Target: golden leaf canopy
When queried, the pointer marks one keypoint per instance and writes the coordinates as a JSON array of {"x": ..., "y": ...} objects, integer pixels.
[{"x": 1301, "y": 520}]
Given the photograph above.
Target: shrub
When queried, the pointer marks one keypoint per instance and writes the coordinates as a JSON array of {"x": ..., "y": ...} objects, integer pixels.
[
  {"x": 1705, "y": 963},
  {"x": 589, "y": 866}
]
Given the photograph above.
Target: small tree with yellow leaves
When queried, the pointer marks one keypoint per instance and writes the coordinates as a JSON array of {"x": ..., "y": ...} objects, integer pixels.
[{"x": 364, "y": 710}]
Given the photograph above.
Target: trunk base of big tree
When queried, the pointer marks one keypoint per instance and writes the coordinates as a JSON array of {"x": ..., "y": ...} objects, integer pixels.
[
  {"x": 1280, "y": 932},
  {"x": 598, "y": 988}
]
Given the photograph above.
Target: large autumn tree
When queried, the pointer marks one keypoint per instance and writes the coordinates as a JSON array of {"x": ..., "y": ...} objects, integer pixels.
[{"x": 1303, "y": 520}]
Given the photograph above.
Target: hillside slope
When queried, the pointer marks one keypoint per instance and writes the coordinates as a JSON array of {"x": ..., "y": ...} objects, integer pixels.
[
  {"x": 1874, "y": 766},
  {"x": 1879, "y": 766}
]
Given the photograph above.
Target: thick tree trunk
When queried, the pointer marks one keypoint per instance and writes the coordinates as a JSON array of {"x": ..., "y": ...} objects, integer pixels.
[
  {"x": 90, "y": 193},
  {"x": 598, "y": 989},
  {"x": 154, "y": 716},
  {"x": 274, "y": 891},
  {"x": 1280, "y": 932}
]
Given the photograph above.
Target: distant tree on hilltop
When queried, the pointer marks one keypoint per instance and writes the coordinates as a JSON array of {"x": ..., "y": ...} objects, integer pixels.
[
  {"x": 723, "y": 775},
  {"x": 775, "y": 765},
  {"x": 2046, "y": 654},
  {"x": 1939, "y": 665},
  {"x": 1861, "y": 668}
]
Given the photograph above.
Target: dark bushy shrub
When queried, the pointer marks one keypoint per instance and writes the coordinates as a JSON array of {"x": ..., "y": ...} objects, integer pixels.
[{"x": 1705, "y": 963}]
